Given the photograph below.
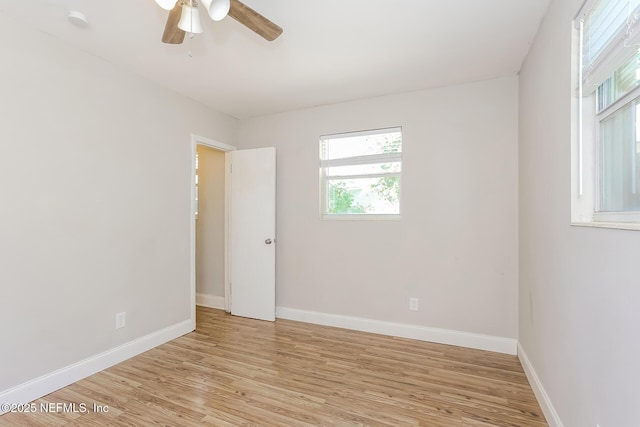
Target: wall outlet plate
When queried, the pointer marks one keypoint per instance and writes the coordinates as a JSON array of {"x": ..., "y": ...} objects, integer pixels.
[
  {"x": 121, "y": 320},
  {"x": 413, "y": 304}
]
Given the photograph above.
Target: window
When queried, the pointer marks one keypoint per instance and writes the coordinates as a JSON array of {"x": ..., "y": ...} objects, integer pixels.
[
  {"x": 606, "y": 149},
  {"x": 197, "y": 206},
  {"x": 360, "y": 174},
  {"x": 619, "y": 155}
]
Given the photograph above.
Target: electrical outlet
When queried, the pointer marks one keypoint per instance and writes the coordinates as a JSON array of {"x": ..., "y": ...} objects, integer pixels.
[
  {"x": 413, "y": 304},
  {"x": 121, "y": 320}
]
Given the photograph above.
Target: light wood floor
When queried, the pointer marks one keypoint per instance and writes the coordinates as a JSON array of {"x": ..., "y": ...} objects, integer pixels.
[{"x": 233, "y": 372}]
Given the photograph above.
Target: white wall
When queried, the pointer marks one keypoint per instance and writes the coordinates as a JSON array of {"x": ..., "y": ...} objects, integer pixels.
[
  {"x": 210, "y": 223},
  {"x": 95, "y": 204},
  {"x": 456, "y": 246},
  {"x": 579, "y": 287}
]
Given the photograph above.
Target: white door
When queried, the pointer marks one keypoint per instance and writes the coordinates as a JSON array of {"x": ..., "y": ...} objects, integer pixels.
[{"x": 252, "y": 233}]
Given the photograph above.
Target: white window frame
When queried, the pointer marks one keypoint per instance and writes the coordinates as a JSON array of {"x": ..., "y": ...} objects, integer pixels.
[
  {"x": 358, "y": 160},
  {"x": 585, "y": 148},
  {"x": 611, "y": 216}
]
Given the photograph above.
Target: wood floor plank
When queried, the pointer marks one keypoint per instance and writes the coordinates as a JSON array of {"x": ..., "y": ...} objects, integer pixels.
[{"x": 234, "y": 371}]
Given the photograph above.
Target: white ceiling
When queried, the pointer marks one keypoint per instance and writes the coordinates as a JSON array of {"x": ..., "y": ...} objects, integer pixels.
[{"x": 330, "y": 51}]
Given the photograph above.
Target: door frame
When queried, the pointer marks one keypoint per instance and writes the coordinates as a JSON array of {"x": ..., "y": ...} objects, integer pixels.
[{"x": 195, "y": 141}]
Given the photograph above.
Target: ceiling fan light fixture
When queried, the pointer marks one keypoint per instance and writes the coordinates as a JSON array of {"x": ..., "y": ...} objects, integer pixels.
[
  {"x": 217, "y": 9},
  {"x": 190, "y": 19},
  {"x": 166, "y": 4}
]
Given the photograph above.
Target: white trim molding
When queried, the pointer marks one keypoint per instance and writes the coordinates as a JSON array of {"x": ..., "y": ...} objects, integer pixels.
[
  {"x": 211, "y": 301},
  {"x": 550, "y": 413},
  {"x": 421, "y": 333},
  {"x": 48, "y": 383}
]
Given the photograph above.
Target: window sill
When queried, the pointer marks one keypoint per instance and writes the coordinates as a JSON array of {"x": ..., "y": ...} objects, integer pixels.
[
  {"x": 361, "y": 217},
  {"x": 614, "y": 225}
]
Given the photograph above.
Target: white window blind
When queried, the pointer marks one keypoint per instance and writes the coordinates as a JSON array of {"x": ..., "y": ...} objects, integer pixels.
[{"x": 611, "y": 35}]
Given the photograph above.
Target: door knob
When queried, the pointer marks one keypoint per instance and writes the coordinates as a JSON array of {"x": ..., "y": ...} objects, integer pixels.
[{"x": 268, "y": 241}]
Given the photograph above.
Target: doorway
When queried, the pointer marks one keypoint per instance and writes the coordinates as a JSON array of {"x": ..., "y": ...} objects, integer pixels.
[
  {"x": 210, "y": 284},
  {"x": 248, "y": 230}
]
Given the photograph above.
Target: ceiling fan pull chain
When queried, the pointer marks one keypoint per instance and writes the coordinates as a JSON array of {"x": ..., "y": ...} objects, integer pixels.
[
  {"x": 193, "y": 4},
  {"x": 191, "y": 35}
]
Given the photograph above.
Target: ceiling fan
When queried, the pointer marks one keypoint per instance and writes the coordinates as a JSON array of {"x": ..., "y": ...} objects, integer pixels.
[{"x": 184, "y": 17}]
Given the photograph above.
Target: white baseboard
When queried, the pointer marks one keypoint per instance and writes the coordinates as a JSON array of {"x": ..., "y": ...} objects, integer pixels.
[
  {"x": 48, "y": 383},
  {"x": 422, "y": 333},
  {"x": 211, "y": 301},
  {"x": 553, "y": 419}
]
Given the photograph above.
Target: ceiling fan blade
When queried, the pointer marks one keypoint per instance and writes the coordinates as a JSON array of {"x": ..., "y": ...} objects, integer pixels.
[
  {"x": 254, "y": 21},
  {"x": 172, "y": 34}
]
